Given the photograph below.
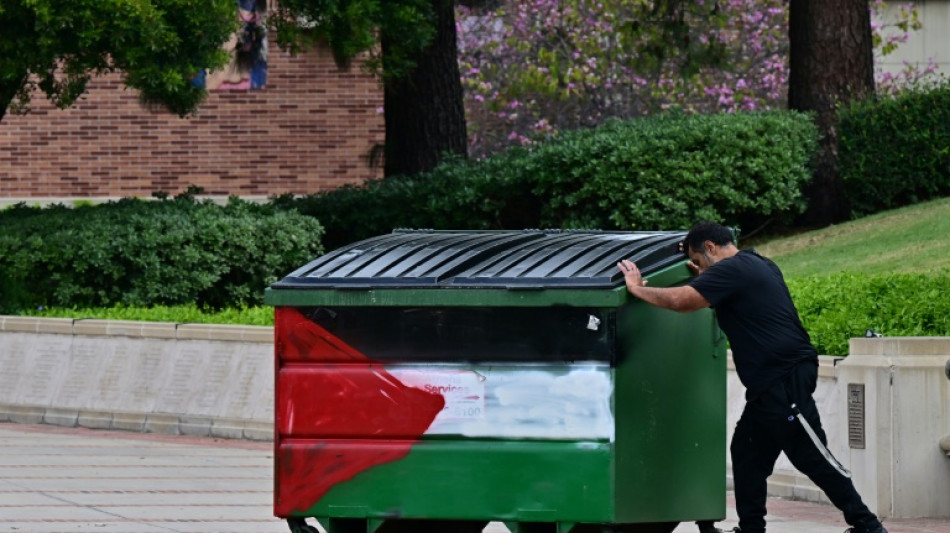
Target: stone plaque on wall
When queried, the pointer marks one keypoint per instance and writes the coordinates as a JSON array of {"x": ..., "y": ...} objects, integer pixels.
[
  {"x": 45, "y": 371},
  {"x": 856, "y": 416},
  {"x": 79, "y": 386}
]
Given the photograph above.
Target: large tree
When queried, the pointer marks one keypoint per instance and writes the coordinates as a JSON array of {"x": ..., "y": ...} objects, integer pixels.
[
  {"x": 830, "y": 62},
  {"x": 411, "y": 45},
  {"x": 57, "y": 46}
]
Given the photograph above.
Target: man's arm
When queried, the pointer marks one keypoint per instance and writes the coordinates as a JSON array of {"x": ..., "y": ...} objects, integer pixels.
[{"x": 682, "y": 299}]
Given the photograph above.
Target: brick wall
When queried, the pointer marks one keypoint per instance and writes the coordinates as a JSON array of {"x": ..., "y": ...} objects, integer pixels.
[{"x": 311, "y": 128}]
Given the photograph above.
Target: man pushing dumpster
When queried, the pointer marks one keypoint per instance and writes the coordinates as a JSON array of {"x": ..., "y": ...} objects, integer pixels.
[{"x": 776, "y": 363}]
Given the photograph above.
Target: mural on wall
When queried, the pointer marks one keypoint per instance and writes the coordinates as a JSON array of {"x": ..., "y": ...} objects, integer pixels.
[{"x": 248, "y": 49}]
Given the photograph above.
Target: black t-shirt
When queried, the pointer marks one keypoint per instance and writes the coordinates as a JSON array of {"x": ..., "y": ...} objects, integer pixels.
[{"x": 756, "y": 312}]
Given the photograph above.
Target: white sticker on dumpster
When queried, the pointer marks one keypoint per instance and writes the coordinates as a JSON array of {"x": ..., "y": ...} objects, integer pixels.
[{"x": 464, "y": 391}]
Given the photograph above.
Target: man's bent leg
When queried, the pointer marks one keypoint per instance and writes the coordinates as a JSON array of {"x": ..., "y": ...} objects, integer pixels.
[
  {"x": 753, "y": 456},
  {"x": 807, "y": 458}
]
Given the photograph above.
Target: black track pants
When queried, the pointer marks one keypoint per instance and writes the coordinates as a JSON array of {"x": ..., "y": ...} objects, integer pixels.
[{"x": 764, "y": 430}]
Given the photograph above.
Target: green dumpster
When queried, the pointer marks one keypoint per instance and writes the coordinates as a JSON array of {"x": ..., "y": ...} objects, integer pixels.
[{"x": 440, "y": 380}]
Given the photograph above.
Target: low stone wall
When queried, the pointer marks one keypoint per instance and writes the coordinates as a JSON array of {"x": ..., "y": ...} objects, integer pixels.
[
  {"x": 192, "y": 379},
  {"x": 885, "y": 408},
  {"x": 902, "y": 470}
]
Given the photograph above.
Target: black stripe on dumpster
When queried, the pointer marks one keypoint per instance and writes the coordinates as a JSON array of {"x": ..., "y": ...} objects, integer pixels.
[{"x": 453, "y": 334}]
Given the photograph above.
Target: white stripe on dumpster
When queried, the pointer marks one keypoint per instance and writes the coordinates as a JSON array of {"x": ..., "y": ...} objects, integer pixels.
[{"x": 508, "y": 402}]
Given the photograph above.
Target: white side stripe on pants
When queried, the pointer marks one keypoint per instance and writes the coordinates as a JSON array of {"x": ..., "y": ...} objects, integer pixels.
[{"x": 825, "y": 452}]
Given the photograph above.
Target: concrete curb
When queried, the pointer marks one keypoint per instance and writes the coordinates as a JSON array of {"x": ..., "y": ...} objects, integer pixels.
[
  {"x": 159, "y": 423},
  {"x": 135, "y": 329}
]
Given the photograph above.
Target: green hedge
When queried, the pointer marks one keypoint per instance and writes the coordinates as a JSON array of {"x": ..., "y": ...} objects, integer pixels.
[
  {"x": 668, "y": 172},
  {"x": 647, "y": 174},
  {"x": 896, "y": 151},
  {"x": 142, "y": 253},
  {"x": 835, "y": 308}
]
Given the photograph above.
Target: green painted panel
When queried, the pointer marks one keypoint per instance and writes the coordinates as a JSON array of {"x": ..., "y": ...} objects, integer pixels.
[
  {"x": 539, "y": 297},
  {"x": 482, "y": 479},
  {"x": 671, "y": 275},
  {"x": 670, "y": 405}
]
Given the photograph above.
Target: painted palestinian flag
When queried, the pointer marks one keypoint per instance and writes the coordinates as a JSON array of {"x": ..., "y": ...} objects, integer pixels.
[{"x": 341, "y": 413}]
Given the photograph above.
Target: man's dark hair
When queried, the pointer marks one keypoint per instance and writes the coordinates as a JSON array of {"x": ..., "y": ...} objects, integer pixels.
[{"x": 706, "y": 231}]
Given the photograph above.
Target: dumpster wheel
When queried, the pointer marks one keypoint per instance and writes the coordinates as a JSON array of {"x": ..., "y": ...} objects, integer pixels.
[{"x": 300, "y": 525}]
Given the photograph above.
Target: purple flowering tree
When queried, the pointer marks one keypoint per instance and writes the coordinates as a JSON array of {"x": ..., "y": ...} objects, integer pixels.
[
  {"x": 889, "y": 31},
  {"x": 535, "y": 67}
]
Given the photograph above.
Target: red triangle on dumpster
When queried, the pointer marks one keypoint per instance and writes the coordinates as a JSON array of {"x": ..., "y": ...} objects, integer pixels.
[{"x": 338, "y": 413}]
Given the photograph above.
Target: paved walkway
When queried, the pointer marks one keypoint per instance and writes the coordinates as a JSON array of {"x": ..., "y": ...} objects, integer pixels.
[{"x": 55, "y": 479}]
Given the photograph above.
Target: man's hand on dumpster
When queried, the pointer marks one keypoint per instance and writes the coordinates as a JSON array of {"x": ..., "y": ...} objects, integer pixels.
[
  {"x": 631, "y": 275},
  {"x": 683, "y": 299}
]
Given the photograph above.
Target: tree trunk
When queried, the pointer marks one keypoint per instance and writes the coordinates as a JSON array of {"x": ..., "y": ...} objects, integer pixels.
[
  {"x": 830, "y": 63},
  {"x": 5, "y": 98},
  {"x": 9, "y": 87},
  {"x": 424, "y": 112}
]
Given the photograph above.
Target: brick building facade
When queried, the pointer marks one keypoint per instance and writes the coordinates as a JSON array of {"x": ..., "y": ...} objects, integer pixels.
[{"x": 311, "y": 128}]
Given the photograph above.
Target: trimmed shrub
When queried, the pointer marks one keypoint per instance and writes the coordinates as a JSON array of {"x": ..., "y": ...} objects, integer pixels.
[
  {"x": 647, "y": 174},
  {"x": 142, "y": 253},
  {"x": 895, "y": 151},
  {"x": 836, "y": 308},
  {"x": 667, "y": 172}
]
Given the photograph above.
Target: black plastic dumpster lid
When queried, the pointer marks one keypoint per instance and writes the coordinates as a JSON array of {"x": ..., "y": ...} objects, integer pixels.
[{"x": 529, "y": 259}]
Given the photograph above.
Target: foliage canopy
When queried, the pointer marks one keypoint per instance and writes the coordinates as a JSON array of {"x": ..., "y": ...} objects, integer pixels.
[
  {"x": 57, "y": 46},
  {"x": 351, "y": 28}
]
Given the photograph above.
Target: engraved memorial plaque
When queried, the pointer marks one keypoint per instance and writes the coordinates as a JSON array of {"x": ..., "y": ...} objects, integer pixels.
[
  {"x": 856, "y": 415},
  {"x": 113, "y": 372},
  {"x": 241, "y": 398},
  {"x": 78, "y": 388},
  {"x": 216, "y": 379},
  {"x": 186, "y": 371},
  {"x": 150, "y": 369},
  {"x": 13, "y": 354},
  {"x": 45, "y": 371}
]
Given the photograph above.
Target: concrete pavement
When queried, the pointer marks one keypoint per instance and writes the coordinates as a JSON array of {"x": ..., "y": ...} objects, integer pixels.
[{"x": 55, "y": 479}]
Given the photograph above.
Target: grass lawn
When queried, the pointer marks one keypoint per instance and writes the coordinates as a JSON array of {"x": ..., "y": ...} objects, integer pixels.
[{"x": 910, "y": 239}]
